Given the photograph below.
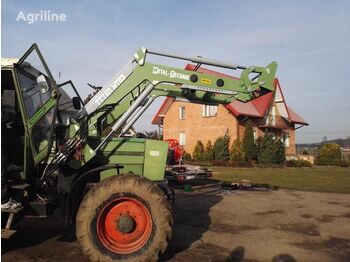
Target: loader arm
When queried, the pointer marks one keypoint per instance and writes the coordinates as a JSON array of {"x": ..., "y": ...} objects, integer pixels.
[
  {"x": 124, "y": 98},
  {"x": 128, "y": 94}
]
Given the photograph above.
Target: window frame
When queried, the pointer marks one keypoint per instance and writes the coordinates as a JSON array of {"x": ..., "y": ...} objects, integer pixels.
[
  {"x": 48, "y": 108},
  {"x": 210, "y": 110},
  {"x": 182, "y": 112},
  {"x": 182, "y": 139}
]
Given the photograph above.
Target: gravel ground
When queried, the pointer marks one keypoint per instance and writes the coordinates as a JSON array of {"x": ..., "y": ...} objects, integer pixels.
[{"x": 212, "y": 225}]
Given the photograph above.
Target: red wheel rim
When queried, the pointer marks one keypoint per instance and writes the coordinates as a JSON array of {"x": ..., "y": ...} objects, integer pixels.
[{"x": 109, "y": 219}]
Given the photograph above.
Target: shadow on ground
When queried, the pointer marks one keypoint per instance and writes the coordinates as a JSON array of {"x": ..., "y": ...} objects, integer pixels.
[
  {"x": 34, "y": 231},
  {"x": 237, "y": 255},
  {"x": 190, "y": 221},
  {"x": 195, "y": 183}
]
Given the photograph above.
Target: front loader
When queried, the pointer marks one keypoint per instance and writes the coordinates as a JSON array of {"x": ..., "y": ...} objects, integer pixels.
[{"x": 61, "y": 152}]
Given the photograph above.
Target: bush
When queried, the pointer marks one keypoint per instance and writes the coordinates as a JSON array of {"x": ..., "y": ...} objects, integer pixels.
[
  {"x": 326, "y": 162},
  {"x": 330, "y": 155},
  {"x": 305, "y": 152},
  {"x": 280, "y": 152},
  {"x": 344, "y": 163},
  {"x": 232, "y": 163},
  {"x": 220, "y": 163},
  {"x": 266, "y": 150},
  {"x": 270, "y": 151},
  {"x": 298, "y": 163},
  {"x": 198, "y": 152},
  {"x": 187, "y": 156},
  {"x": 209, "y": 152},
  {"x": 249, "y": 145},
  {"x": 237, "y": 151},
  {"x": 200, "y": 163},
  {"x": 221, "y": 151},
  {"x": 269, "y": 165},
  {"x": 241, "y": 163}
]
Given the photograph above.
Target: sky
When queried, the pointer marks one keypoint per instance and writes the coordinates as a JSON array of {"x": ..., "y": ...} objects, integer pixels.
[{"x": 308, "y": 39}]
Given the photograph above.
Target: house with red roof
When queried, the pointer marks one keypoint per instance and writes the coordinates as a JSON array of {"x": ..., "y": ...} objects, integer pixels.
[{"x": 189, "y": 122}]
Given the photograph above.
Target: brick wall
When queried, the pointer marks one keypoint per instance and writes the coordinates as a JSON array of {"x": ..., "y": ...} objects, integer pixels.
[
  {"x": 196, "y": 127},
  {"x": 258, "y": 132},
  {"x": 291, "y": 150}
]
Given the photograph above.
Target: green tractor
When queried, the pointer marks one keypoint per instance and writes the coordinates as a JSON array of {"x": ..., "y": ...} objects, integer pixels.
[{"x": 59, "y": 152}]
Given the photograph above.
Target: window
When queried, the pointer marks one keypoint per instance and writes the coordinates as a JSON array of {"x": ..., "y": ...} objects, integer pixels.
[
  {"x": 33, "y": 94},
  {"x": 41, "y": 131},
  {"x": 209, "y": 110},
  {"x": 182, "y": 112},
  {"x": 255, "y": 134},
  {"x": 36, "y": 85},
  {"x": 285, "y": 140},
  {"x": 182, "y": 139}
]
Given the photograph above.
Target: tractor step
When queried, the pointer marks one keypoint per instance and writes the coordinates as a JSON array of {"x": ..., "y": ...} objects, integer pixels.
[
  {"x": 7, "y": 232},
  {"x": 20, "y": 186},
  {"x": 15, "y": 211}
]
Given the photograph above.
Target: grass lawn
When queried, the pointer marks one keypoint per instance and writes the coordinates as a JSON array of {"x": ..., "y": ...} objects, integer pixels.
[{"x": 320, "y": 179}]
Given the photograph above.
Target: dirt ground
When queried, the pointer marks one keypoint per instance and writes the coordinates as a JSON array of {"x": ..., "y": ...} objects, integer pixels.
[{"x": 212, "y": 225}]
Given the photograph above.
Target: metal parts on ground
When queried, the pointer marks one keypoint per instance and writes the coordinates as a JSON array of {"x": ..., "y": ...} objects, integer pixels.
[{"x": 182, "y": 173}]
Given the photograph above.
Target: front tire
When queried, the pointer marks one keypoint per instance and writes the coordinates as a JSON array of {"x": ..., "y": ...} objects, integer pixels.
[{"x": 124, "y": 217}]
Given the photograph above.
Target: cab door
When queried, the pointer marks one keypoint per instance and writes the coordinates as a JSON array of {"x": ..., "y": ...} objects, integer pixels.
[{"x": 37, "y": 93}]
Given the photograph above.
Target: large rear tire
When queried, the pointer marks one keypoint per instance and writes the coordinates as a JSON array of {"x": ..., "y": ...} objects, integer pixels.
[{"x": 124, "y": 217}]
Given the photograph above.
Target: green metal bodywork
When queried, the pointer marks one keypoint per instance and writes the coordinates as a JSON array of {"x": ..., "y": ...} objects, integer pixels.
[{"x": 139, "y": 156}]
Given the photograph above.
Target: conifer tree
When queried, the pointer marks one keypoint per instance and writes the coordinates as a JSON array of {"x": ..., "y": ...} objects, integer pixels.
[
  {"x": 198, "y": 152},
  {"x": 221, "y": 148},
  {"x": 209, "y": 152},
  {"x": 237, "y": 151},
  {"x": 249, "y": 145}
]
